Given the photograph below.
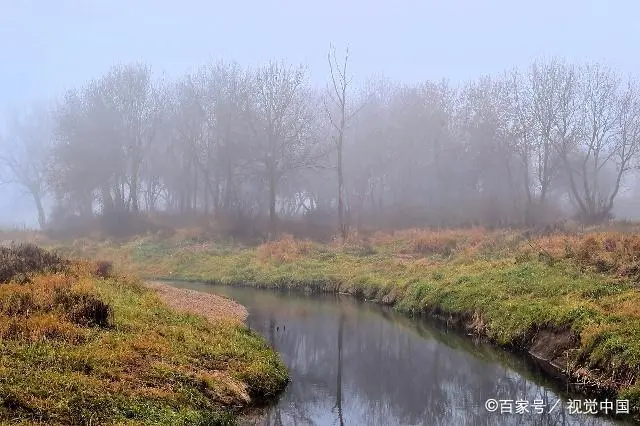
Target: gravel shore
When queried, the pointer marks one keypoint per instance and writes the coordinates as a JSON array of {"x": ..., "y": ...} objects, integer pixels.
[{"x": 211, "y": 306}]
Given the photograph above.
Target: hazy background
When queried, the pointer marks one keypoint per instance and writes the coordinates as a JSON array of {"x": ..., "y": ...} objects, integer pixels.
[{"x": 47, "y": 47}]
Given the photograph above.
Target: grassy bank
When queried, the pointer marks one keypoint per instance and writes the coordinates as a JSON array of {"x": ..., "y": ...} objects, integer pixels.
[
  {"x": 572, "y": 299},
  {"x": 80, "y": 345}
]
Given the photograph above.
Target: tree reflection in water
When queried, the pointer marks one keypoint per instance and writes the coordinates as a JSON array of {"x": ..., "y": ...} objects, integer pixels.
[{"x": 358, "y": 364}]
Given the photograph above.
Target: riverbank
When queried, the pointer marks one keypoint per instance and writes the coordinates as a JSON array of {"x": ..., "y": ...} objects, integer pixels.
[
  {"x": 572, "y": 300},
  {"x": 82, "y": 345}
]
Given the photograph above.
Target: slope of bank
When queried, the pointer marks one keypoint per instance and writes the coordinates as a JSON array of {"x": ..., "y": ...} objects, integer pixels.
[
  {"x": 81, "y": 345},
  {"x": 571, "y": 300}
]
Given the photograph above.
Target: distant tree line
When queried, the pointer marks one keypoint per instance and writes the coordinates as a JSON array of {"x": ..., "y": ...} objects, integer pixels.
[{"x": 517, "y": 149}]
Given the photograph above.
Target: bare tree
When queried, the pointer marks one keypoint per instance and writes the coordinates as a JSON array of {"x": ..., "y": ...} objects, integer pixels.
[
  {"x": 545, "y": 79},
  {"x": 26, "y": 154},
  {"x": 228, "y": 104},
  {"x": 519, "y": 133},
  {"x": 337, "y": 93},
  {"x": 283, "y": 127},
  {"x": 129, "y": 91},
  {"x": 627, "y": 148},
  {"x": 599, "y": 146},
  {"x": 103, "y": 133}
]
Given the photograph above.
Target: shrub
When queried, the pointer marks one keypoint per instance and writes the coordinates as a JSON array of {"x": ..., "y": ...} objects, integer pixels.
[
  {"x": 18, "y": 262},
  {"x": 82, "y": 308},
  {"x": 103, "y": 269}
]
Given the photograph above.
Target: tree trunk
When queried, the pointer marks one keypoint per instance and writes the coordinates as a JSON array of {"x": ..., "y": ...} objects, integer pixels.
[
  {"x": 42, "y": 219},
  {"x": 195, "y": 188},
  {"x": 133, "y": 188},
  {"x": 228, "y": 189},
  {"x": 118, "y": 198},
  {"x": 273, "y": 226},
  {"x": 343, "y": 226},
  {"x": 107, "y": 201},
  {"x": 207, "y": 186}
]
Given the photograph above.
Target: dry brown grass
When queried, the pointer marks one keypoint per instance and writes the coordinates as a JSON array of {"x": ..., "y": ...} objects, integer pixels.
[
  {"x": 39, "y": 327},
  {"x": 426, "y": 242},
  {"x": 52, "y": 306},
  {"x": 7, "y": 236},
  {"x": 611, "y": 251},
  {"x": 285, "y": 249},
  {"x": 558, "y": 245},
  {"x": 607, "y": 251}
]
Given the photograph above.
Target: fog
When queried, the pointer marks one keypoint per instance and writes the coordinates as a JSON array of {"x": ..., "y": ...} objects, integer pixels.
[{"x": 457, "y": 113}]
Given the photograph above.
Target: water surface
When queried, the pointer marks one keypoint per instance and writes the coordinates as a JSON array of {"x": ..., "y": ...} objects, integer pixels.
[{"x": 357, "y": 363}]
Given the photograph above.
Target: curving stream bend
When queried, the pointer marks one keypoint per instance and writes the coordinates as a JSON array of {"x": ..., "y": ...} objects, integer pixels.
[{"x": 361, "y": 364}]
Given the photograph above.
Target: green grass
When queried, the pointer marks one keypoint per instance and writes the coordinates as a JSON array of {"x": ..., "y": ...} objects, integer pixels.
[
  {"x": 496, "y": 279},
  {"x": 149, "y": 365}
]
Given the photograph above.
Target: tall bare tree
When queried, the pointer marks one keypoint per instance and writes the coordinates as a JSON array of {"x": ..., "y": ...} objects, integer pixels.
[
  {"x": 337, "y": 93},
  {"x": 598, "y": 138},
  {"x": 26, "y": 154},
  {"x": 130, "y": 92},
  {"x": 545, "y": 81},
  {"x": 519, "y": 134},
  {"x": 283, "y": 127}
]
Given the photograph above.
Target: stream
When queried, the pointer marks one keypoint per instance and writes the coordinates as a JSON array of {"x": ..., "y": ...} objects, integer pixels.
[{"x": 357, "y": 363}]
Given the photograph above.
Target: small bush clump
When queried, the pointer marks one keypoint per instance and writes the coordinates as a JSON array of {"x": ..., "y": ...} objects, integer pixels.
[
  {"x": 82, "y": 308},
  {"x": 103, "y": 269},
  {"x": 19, "y": 262}
]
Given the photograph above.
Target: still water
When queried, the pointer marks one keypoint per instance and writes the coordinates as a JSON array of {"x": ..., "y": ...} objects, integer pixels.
[{"x": 356, "y": 363}]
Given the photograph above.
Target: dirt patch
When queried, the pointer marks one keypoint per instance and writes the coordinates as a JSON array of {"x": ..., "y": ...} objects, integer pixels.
[
  {"x": 551, "y": 345},
  {"x": 550, "y": 348},
  {"x": 211, "y": 306}
]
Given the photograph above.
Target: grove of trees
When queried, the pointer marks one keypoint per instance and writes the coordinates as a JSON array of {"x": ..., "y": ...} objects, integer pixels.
[{"x": 522, "y": 148}]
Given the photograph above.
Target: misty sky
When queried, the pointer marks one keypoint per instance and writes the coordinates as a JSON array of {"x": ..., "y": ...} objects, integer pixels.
[{"x": 49, "y": 46}]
